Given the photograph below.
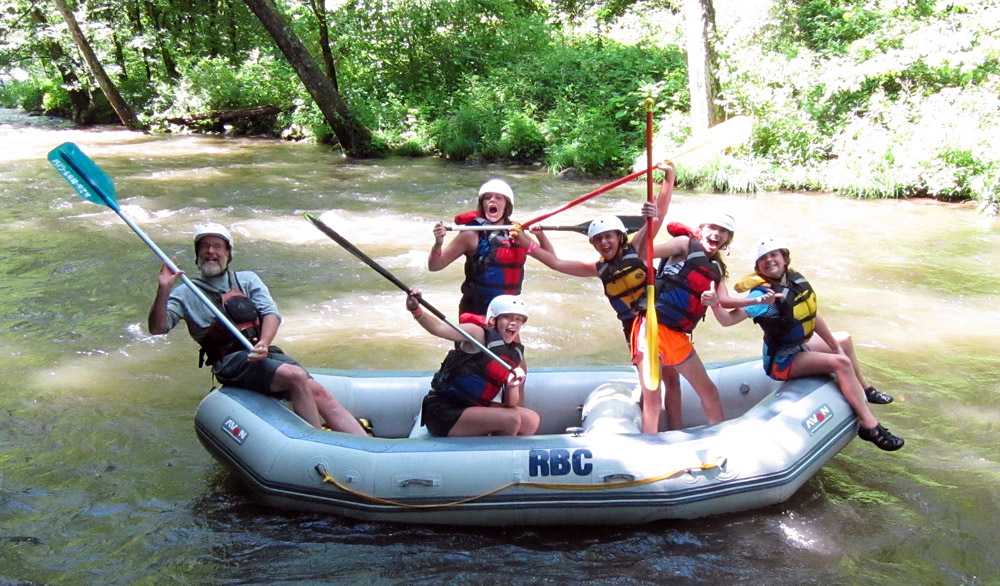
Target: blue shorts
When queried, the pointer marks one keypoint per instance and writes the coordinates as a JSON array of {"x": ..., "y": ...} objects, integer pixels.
[
  {"x": 779, "y": 365},
  {"x": 235, "y": 370}
]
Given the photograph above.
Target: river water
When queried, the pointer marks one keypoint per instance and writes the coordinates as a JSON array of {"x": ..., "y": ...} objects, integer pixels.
[{"x": 102, "y": 480}]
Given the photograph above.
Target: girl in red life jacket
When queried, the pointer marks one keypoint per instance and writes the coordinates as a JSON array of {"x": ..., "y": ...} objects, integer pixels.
[
  {"x": 494, "y": 261},
  {"x": 460, "y": 402},
  {"x": 690, "y": 266}
]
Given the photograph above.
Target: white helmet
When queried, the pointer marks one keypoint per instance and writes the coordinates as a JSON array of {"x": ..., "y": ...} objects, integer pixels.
[
  {"x": 497, "y": 186},
  {"x": 502, "y": 304},
  {"x": 769, "y": 245},
  {"x": 606, "y": 223},
  {"x": 213, "y": 229},
  {"x": 722, "y": 220}
]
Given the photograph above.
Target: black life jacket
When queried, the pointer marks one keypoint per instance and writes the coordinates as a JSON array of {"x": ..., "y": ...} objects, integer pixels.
[
  {"x": 475, "y": 379},
  {"x": 218, "y": 340}
]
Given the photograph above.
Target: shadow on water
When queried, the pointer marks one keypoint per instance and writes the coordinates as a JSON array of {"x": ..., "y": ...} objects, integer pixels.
[{"x": 263, "y": 546}]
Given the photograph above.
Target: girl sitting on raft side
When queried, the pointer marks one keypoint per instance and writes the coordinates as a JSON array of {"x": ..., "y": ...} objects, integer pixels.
[{"x": 790, "y": 349}]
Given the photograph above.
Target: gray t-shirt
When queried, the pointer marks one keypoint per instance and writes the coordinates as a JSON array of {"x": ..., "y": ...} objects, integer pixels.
[{"x": 183, "y": 304}]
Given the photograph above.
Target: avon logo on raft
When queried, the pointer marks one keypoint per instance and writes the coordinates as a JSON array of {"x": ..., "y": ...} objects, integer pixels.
[
  {"x": 817, "y": 419},
  {"x": 234, "y": 431}
]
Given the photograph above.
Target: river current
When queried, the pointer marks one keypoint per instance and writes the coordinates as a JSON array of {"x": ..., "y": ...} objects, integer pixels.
[{"x": 102, "y": 480}]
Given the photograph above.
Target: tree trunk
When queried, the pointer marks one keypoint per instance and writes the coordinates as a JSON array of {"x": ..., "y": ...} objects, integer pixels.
[
  {"x": 354, "y": 138},
  {"x": 319, "y": 9},
  {"x": 81, "y": 102},
  {"x": 123, "y": 110},
  {"x": 702, "y": 62}
]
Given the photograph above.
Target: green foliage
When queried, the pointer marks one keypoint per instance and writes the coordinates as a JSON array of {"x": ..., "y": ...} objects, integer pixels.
[
  {"x": 460, "y": 135},
  {"x": 903, "y": 108},
  {"x": 832, "y": 25},
  {"x": 521, "y": 139},
  {"x": 588, "y": 141},
  {"x": 27, "y": 95},
  {"x": 869, "y": 98}
]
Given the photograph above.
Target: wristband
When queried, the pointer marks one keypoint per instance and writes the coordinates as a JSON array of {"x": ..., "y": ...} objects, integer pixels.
[
  {"x": 532, "y": 247},
  {"x": 417, "y": 313}
]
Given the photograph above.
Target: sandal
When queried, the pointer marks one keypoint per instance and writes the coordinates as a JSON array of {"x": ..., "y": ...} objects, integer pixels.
[
  {"x": 881, "y": 437},
  {"x": 877, "y": 397}
]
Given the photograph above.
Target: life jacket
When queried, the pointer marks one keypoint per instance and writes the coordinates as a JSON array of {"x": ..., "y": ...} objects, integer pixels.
[
  {"x": 218, "y": 340},
  {"x": 466, "y": 218},
  {"x": 790, "y": 321},
  {"x": 475, "y": 379},
  {"x": 678, "y": 292},
  {"x": 679, "y": 229},
  {"x": 497, "y": 268},
  {"x": 624, "y": 281}
]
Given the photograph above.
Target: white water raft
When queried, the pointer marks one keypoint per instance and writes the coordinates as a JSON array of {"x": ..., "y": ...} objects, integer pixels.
[{"x": 601, "y": 471}]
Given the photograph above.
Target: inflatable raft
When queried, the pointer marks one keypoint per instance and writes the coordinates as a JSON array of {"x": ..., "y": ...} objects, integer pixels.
[{"x": 589, "y": 464}]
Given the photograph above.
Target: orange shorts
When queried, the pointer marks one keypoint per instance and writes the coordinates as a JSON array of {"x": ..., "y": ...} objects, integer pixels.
[{"x": 674, "y": 347}]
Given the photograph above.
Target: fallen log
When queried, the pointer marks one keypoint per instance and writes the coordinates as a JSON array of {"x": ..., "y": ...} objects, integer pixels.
[{"x": 225, "y": 115}]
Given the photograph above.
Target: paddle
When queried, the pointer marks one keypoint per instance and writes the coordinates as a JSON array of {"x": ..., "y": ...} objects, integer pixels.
[
  {"x": 632, "y": 224},
  {"x": 721, "y": 136},
  {"x": 95, "y": 186},
  {"x": 392, "y": 279},
  {"x": 651, "y": 359}
]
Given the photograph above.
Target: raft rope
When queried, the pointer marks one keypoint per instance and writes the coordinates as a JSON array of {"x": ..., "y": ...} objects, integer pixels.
[{"x": 327, "y": 479}]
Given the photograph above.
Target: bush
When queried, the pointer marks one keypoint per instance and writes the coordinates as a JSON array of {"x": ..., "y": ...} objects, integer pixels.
[{"x": 521, "y": 139}]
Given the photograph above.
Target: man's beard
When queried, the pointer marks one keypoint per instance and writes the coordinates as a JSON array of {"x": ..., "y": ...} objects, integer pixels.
[{"x": 212, "y": 268}]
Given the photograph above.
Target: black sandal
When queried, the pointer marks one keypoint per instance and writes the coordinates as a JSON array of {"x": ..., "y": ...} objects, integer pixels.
[
  {"x": 877, "y": 397},
  {"x": 881, "y": 437}
]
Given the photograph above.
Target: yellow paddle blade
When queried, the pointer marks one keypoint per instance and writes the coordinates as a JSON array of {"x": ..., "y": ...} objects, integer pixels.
[
  {"x": 724, "y": 135},
  {"x": 651, "y": 358}
]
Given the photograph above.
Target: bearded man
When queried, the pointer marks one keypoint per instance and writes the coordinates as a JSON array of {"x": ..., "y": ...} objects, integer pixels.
[{"x": 245, "y": 299}]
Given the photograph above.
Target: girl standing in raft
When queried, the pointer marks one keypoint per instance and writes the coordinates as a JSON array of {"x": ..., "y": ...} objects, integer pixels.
[
  {"x": 460, "y": 401},
  {"x": 690, "y": 266},
  {"x": 790, "y": 350},
  {"x": 494, "y": 261}
]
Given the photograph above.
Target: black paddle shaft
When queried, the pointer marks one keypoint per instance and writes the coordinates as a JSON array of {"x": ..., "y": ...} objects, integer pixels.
[{"x": 368, "y": 261}]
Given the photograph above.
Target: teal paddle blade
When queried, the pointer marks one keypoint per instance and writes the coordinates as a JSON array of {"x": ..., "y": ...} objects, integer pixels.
[{"x": 83, "y": 175}]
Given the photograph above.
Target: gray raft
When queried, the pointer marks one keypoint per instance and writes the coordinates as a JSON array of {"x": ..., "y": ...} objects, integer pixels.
[{"x": 588, "y": 465}]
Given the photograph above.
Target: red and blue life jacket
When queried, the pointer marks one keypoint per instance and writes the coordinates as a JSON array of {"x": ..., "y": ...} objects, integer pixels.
[
  {"x": 497, "y": 268},
  {"x": 476, "y": 379},
  {"x": 678, "y": 290}
]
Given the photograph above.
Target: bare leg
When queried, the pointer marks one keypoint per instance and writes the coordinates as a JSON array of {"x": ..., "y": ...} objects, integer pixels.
[
  {"x": 652, "y": 405},
  {"x": 311, "y": 401},
  {"x": 810, "y": 363},
  {"x": 672, "y": 397},
  {"x": 844, "y": 339},
  {"x": 694, "y": 372},
  {"x": 529, "y": 421},
  {"x": 478, "y": 421},
  {"x": 336, "y": 416}
]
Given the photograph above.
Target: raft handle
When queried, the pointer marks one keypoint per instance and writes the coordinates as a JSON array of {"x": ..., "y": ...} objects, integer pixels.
[
  {"x": 620, "y": 477},
  {"x": 418, "y": 482}
]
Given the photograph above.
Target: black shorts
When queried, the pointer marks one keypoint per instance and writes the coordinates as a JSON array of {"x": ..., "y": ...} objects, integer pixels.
[
  {"x": 235, "y": 370},
  {"x": 440, "y": 414}
]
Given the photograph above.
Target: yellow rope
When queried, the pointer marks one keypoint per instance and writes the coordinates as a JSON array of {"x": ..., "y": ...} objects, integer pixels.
[{"x": 543, "y": 485}]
